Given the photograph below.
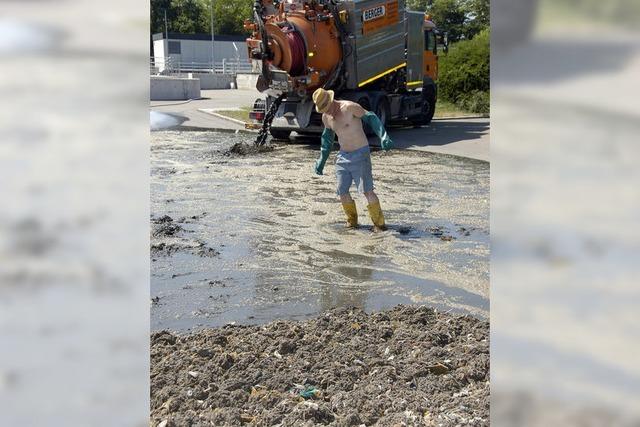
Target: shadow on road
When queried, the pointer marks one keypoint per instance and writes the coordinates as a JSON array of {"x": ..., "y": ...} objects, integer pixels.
[{"x": 440, "y": 133}]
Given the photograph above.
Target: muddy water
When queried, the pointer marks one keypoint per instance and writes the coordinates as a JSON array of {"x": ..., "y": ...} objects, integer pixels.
[{"x": 261, "y": 237}]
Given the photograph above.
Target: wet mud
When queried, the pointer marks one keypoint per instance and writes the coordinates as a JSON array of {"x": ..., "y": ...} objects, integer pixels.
[
  {"x": 248, "y": 148},
  {"x": 408, "y": 366},
  {"x": 167, "y": 239},
  {"x": 260, "y": 237}
]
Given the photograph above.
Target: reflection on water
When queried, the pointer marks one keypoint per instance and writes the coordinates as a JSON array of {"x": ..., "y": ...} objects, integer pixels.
[{"x": 159, "y": 120}]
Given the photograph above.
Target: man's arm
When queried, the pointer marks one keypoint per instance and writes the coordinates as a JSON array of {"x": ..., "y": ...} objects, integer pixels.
[
  {"x": 374, "y": 123},
  {"x": 326, "y": 143}
]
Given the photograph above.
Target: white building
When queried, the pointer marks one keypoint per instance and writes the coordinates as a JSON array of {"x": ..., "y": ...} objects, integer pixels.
[{"x": 195, "y": 51}]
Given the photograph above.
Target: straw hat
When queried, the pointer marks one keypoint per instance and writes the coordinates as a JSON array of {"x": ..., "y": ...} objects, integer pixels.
[{"x": 323, "y": 99}]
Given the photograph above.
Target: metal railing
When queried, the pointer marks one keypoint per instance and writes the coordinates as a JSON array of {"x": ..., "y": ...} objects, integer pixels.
[{"x": 160, "y": 66}]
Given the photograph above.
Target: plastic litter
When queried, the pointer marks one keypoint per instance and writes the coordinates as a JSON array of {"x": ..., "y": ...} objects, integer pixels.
[{"x": 309, "y": 392}]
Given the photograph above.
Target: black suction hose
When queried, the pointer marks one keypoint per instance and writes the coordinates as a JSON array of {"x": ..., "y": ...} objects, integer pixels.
[
  {"x": 258, "y": 8},
  {"x": 338, "y": 71}
]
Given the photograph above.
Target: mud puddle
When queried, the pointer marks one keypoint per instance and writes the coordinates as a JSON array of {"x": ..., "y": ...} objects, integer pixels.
[{"x": 278, "y": 244}]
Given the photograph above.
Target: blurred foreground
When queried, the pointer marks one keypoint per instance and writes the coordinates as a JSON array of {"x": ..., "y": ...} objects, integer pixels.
[
  {"x": 564, "y": 220},
  {"x": 74, "y": 177}
]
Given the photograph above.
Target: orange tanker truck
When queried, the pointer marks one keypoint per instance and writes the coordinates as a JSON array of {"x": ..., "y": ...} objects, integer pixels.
[{"x": 373, "y": 52}]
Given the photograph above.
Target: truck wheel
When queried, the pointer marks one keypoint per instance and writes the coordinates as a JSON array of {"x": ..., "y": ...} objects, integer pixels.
[
  {"x": 428, "y": 107},
  {"x": 366, "y": 104},
  {"x": 382, "y": 111},
  {"x": 280, "y": 134}
]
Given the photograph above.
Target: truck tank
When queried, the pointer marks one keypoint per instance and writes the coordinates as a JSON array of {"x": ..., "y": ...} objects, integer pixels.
[
  {"x": 368, "y": 51},
  {"x": 334, "y": 44}
]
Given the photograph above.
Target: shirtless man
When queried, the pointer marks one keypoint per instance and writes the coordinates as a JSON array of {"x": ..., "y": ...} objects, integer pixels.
[{"x": 353, "y": 162}]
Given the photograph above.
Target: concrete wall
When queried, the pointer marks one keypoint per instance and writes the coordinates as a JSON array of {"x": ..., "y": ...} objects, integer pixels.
[
  {"x": 165, "y": 88},
  {"x": 214, "y": 81},
  {"x": 246, "y": 80}
]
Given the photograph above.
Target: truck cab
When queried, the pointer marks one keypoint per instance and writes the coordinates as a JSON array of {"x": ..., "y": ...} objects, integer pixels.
[{"x": 430, "y": 55}]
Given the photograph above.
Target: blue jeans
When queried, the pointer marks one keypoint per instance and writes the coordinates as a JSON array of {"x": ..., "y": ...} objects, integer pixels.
[{"x": 354, "y": 167}]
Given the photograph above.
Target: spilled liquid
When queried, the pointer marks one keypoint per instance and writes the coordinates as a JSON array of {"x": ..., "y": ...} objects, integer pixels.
[
  {"x": 284, "y": 251},
  {"x": 159, "y": 120}
]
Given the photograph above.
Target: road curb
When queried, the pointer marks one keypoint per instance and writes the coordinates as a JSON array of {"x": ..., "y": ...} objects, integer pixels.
[
  {"x": 461, "y": 117},
  {"x": 221, "y": 116},
  {"x": 207, "y": 129}
]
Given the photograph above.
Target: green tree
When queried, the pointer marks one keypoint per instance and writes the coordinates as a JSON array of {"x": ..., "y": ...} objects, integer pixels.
[
  {"x": 158, "y": 7},
  {"x": 228, "y": 16},
  {"x": 478, "y": 17},
  {"x": 194, "y": 16},
  {"x": 190, "y": 17},
  {"x": 183, "y": 16},
  {"x": 462, "y": 19},
  {"x": 419, "y": 5},
  {"x": 463, "y": 74},
  {"x": 448, "y": 15}
]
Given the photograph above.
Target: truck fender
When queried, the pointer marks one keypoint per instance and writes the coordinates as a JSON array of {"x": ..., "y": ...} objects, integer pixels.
[{"x": 430, "y": 85}]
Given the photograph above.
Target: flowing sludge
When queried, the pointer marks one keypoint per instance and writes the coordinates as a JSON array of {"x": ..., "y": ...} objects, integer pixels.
[{"x": 277, "y": 225}]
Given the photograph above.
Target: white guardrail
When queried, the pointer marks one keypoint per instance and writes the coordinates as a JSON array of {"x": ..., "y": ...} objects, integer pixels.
[{"x": 160, "y": 66}]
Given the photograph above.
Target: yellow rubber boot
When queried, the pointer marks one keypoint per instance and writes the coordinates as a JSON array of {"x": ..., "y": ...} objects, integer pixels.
[
  {"x": 352, "y": 213},
  {"x": 377, "y": 217}
]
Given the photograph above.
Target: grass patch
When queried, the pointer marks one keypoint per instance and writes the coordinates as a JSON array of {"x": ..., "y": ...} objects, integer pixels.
[
  {"x": 449, "y": 109},
  {"x": 242, "y": 113}
]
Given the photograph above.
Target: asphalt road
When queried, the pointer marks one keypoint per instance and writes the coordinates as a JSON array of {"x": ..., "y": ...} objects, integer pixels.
[{"x": 465, "y": 137}]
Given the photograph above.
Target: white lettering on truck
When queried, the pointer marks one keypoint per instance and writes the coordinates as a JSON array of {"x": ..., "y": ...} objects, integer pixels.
[{"x": 373, "y": 13}]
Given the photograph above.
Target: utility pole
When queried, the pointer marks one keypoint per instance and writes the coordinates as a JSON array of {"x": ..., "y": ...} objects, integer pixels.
[
  {"x": 213, "y": 42},
  {"x": 166, "y": 40},
  {"x": 166, "y": 27}
]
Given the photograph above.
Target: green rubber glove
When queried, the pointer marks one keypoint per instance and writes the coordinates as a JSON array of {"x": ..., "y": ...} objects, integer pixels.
[
  {"x": 325, "y": 148},
  {"x": 376, "y": 125}
]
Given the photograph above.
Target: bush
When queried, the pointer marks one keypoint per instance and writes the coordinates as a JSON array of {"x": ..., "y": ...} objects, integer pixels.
[
  {"x": 475, "y": 102},
  {"x": 463, "y": 77}
]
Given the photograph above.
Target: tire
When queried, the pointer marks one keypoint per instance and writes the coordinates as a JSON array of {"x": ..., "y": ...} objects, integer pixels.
[
  {"x": 428, "y": 107},
  {"x": 366, "y": 104},
  {"x": 383, "y": 111},
  {"x": 280, "y": 134}
]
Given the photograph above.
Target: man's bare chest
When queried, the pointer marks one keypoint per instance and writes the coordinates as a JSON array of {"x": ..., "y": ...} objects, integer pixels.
[{"x": 342, "y": 122}]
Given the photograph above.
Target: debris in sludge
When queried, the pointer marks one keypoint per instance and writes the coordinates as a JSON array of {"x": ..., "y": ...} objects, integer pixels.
[
  {"x": 243, "y": 149},
  {"x": 406, "y": 366},
  {"x": 200, "y": 249},
  {"x": 165, "y": 229}
]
